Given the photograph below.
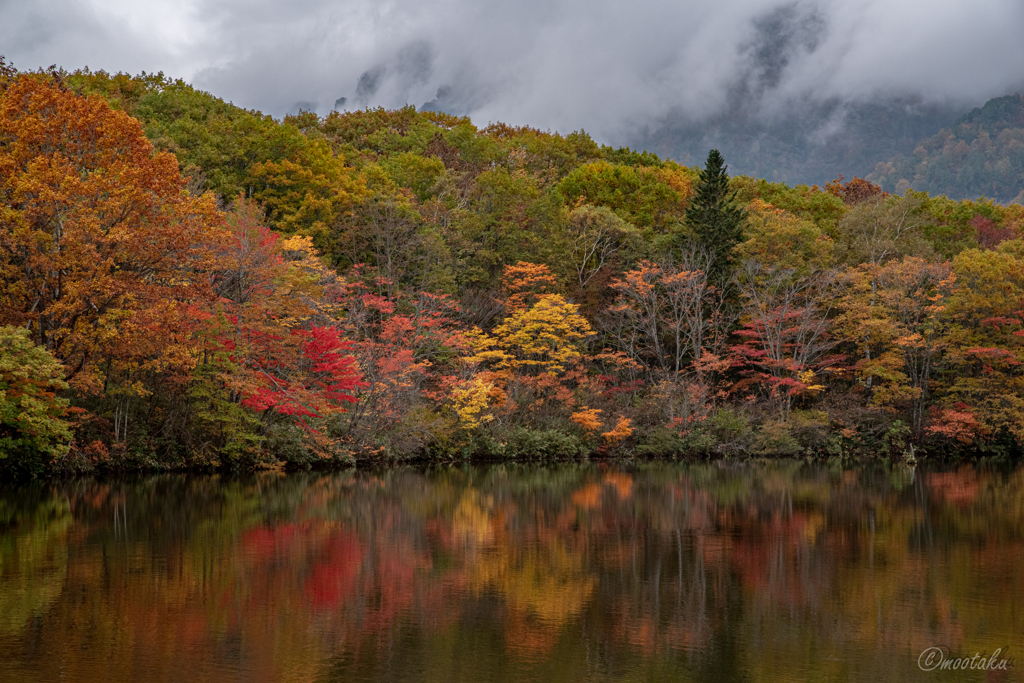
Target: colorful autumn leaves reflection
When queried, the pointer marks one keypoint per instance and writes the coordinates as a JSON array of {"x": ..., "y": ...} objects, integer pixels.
[{"x": 579, "y": 566}]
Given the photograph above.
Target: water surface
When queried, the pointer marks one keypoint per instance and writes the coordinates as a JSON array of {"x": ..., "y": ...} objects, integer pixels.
[{"x": 659, "y": 572}]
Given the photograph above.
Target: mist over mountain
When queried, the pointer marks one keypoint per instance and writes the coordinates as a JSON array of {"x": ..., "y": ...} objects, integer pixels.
[
  {"x": 981, "y": 154},
  {"x": 795, "y": 90},
  {"x": 812, "y": 144}
]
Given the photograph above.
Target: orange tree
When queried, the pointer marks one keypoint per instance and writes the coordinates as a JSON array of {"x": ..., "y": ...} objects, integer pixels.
[
  {"x": 101, "y": 252},
  {"x": 95, "y": 230}
]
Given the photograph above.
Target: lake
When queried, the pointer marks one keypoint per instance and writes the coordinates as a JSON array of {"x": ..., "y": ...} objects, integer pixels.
[{"x": 784, "y": 571}]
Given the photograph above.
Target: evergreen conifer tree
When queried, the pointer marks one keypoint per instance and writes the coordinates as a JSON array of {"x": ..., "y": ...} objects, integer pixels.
[{"x": 714, "y": 218}]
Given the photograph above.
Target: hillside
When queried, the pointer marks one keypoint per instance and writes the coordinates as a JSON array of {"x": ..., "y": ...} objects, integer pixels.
[
  {"x": 187, "y": 283},
  {"x": 981, "y": 154},
  {"x": 805, "y": 143},
  {"x": 897, "y": 144}
]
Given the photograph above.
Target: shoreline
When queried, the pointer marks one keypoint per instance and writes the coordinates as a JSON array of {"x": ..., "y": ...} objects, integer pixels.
[{"x": 68, "y": 473}]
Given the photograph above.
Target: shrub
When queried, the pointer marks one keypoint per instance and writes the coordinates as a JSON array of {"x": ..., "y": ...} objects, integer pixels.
[
  {"x": 32, "y": 429},
  {"x": 541, "y": 444},
  {"x": 728, "y": 426},
  {"x": 298, "y": 447},
  {"x": 775, "y": 438}
]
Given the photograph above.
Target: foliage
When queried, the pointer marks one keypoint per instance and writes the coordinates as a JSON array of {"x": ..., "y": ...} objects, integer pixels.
[
  {"x": 782, "y": 239},
  {"x": 596, "y": 234},
  {"x": 33, "y": 428},
  {"x": 98, "y": 238},
  {"x": 714, "y": 216},
  {"x": 617, "y": 434},
  {"x": 667, "y": 316},
  {"x": 544, "y": 339},
  {"x": 470, "y": 402},
  {"x": 223, "y": 289},
  {"x": 980, "y": 156},
  {"x": 824, "y": 209},
  {"x": 548, "y": 444},
  {"x": 787, "y": 332},
  {"x": 588, "y": 418},
  {"x": 644, "y": 196},
  {"x": 894, "y": 316},
  {"x": 878, "y": 229},
  {"x": 855, "y": 191}
]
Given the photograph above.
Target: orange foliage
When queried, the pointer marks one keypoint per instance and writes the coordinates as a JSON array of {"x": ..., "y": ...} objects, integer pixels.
[
  {"x": 588, "y": 418},
  {"x": 958, "y": 424},
  {"x": 855, "y": 191},
  {"x": 619, "y": 433},
  {"x": 524, "y": 284},
  {"x": 100, "y": 241}
]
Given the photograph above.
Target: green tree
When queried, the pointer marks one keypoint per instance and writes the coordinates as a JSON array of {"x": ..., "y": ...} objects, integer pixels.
[
  {"x": 646, "y": 197},
  {"x": 31, "y": 424},
  {"x": 714, "y": 216}
]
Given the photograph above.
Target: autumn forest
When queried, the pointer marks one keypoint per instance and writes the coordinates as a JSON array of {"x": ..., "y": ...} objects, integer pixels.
[{"x": 188, "y": 284}]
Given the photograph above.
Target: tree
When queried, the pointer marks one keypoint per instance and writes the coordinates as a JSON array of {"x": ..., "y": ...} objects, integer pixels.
[
  {"x": 788, "y": 329},
  {"x": 408, "y": 349},
  {"x": 854, "y": 191},
  {"x": 984, "y": 355},
  {"x": 894, "y": 316},
  {"x": 97, "y": 238},
  {"x": 668, "y": 315},
  {"x": 216, "y": 143},
  {"x": 534, "y": 356},
  {"x": 596, "y": 234},
  {"x": 879, "y": 229},
  {"x": 715, "y": 218},
  {"x": 31, "y": 413},
  {"x": 386, "y": 232},
  {"x": 280, "y": 360},
  {"x": 309, "y": 193},
  {"x": 509, "y": 218},
  {"x": 524, "y": 284},
  {"x": 544, "y": 339},
  {"x": 644, "y": 197},
  {"x": 780, "y": 238}
]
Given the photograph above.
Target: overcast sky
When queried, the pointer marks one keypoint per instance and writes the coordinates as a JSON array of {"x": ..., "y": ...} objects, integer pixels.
[{"x": 608, "y": 67}]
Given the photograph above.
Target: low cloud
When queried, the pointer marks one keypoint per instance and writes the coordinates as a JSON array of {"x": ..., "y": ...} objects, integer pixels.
[{"x": 612, "y": 68}]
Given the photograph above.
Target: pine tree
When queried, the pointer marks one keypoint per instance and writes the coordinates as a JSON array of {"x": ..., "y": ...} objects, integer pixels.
[{"x": 714, "y": 218}]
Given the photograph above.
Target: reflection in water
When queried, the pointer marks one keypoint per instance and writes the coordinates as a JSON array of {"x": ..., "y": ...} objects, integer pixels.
[{"x": 667, "y": 572}]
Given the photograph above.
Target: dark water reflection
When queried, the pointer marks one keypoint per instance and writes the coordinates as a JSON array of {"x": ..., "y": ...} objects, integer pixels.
[{"x": 661, "y": 572}]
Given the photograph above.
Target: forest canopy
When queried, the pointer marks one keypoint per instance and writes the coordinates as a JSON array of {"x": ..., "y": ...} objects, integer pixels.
[{"x": 196, "y": 284}]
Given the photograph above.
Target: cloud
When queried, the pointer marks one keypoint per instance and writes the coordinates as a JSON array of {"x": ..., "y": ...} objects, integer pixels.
[{"x": 612, "y": 68}]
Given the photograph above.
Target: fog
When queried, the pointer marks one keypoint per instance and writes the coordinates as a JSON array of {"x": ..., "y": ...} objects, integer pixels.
[{"x": 613, "y": 68}]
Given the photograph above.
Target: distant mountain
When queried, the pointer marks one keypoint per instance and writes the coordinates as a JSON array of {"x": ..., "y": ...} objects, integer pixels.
[
  {"x": 899, "y": 143},
  {"x": 982, "y": 154},
  {"x": 809, "y": 143}
]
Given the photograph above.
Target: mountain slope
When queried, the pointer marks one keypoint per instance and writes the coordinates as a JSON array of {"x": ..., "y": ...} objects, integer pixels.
[
  {"x": 982, "y": 154},
  {"x": 807, "y": 143}
]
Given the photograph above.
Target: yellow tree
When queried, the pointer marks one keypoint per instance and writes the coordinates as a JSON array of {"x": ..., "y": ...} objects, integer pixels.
[
  {"x": 894, "y": 314},
  {"x": 544, "y": 339},
  {"x": 985, "y": 343},
  {"x": 532, "y": 351}
]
